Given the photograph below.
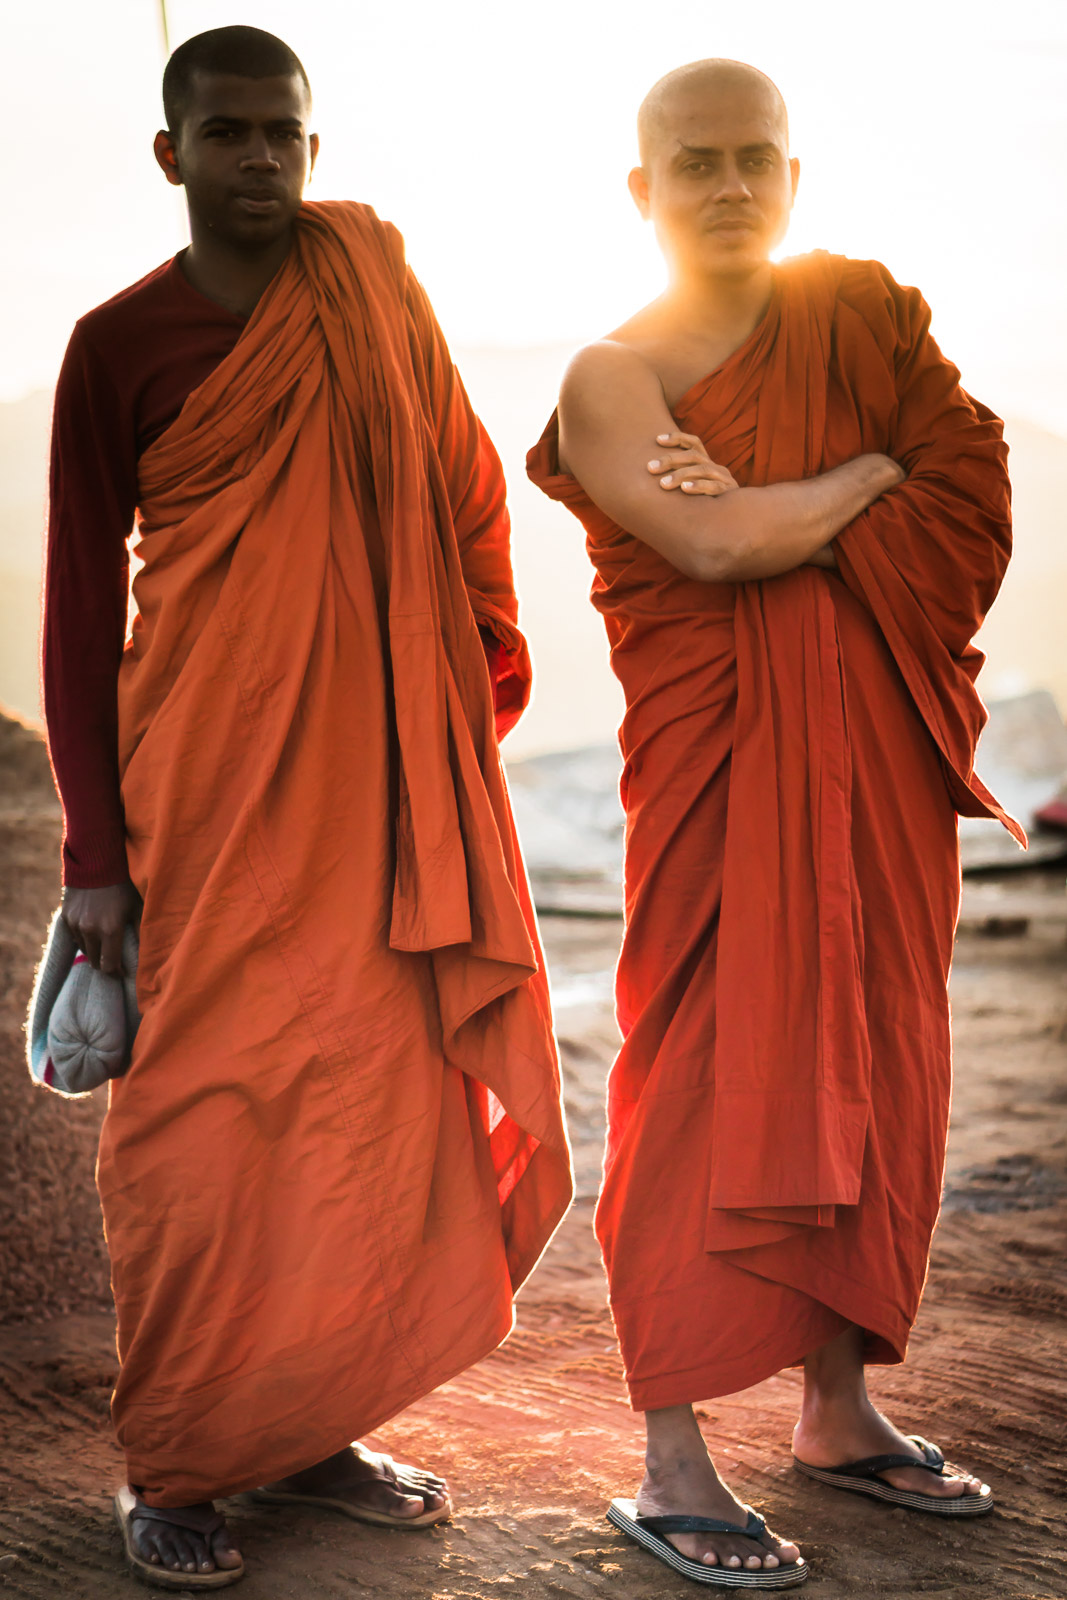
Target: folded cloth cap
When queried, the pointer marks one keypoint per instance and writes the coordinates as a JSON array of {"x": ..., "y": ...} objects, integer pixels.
[{"x": 81, "y": 1023}]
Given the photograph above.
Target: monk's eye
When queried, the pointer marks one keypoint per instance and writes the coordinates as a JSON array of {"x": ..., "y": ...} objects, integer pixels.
[
  {"x": 695, "y": 167},
  {"x": 759, "y": 163}
]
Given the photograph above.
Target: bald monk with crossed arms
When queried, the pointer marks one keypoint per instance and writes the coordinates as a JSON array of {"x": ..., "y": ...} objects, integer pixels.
[{"x": 798, "y": 520}]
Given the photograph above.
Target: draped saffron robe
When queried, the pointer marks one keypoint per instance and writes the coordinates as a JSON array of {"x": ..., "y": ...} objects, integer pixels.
[
  {"x": 795, "y": 753},
  {"x": 339, "y": 1148}
]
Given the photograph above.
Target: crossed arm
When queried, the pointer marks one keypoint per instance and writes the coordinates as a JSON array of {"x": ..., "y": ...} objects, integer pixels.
[{"x": 612, "y": 406}]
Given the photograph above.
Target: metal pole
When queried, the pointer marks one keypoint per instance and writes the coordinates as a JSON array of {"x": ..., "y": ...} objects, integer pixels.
[{"x": 165, "y": 27}]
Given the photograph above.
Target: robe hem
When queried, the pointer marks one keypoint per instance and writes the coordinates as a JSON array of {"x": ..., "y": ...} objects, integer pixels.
[
  {"x": 858, "y": 1304},
  {"x": 712, "y": 1382},
  {"x": 332, "y": 1436},
  {"x": 785, "y": 1348}
]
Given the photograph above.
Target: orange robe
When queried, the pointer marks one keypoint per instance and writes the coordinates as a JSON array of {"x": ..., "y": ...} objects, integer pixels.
[
  {"x": 339, "y": 1148},
  {"x": 795, "y": 753}
]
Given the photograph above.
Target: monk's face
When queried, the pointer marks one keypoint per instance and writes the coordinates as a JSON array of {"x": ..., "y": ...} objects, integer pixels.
[
  {"x": 718, "y": 185},
  {"x": 243, "y": 154}
]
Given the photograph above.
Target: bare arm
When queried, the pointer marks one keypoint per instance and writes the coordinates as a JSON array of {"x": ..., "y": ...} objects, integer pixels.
[{"x": 612, "y": 407}]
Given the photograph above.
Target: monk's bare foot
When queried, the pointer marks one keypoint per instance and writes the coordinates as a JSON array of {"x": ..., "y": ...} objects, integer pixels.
[
  {"x": 164, "y": 1544},
  {"x": 828, "y": 1436},
  {"x": 369, "y": 1482},
  {"x": 838, "y": 1423},
  {"x": 681, "y": 1480}
]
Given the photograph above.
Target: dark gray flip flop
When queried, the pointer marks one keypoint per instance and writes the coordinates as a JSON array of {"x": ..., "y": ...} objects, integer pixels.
[
  {"x": 129, "y": 1508},
  {"x": 863, "y": 1477},
  {"x": 649, "y": 1533}
]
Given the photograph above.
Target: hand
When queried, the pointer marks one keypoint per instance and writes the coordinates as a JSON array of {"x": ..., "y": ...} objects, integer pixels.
[
  {"x": 98, "y": 919},
  {"x": 686, "y": 465}
]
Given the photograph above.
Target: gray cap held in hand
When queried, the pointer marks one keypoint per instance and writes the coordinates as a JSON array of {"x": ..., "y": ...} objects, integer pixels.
[{"x": 81, "y": 1023}]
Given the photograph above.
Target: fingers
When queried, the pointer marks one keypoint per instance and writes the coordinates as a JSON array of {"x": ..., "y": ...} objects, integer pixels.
[
  {"x": 703, "y": 478},
  {"x": 682, "y": 441},
  {"x": 684, "y": 468},
  {"x": 111, "y": 952},
  {"x": 671, "y": 460},
  {"x": 696, "y": 485},
  {"x": 89, "y": 942},
  {"x": 97, "y": 919},
  {"x": 673, "y": 473}
]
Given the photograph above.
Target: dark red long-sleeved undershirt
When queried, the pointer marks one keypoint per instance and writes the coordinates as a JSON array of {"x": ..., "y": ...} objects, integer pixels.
[{"x": 130, "y": 366}]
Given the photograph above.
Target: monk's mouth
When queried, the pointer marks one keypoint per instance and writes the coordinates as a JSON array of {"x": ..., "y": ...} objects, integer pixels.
[{"x": 258, "y": 204}]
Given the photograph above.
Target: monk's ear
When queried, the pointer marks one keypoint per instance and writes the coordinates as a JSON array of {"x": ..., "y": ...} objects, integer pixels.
[
  {"x": 638, "y": 184},
  {"x": 313, "y": 152},
  {"x": 165, "y": 150},
  {"x": 794, "y": 169}
]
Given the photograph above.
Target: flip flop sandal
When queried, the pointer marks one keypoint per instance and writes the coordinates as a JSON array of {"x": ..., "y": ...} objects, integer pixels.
[
  {"x": 378, "y": 1519},
  {"x": 129, "y": 1509},
  {"x": 862, "y": 1477},
  {"x": 648, "y": 1532}
]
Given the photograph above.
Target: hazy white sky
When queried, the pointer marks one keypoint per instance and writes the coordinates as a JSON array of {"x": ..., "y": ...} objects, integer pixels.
[{"x": 932, "y": 134}]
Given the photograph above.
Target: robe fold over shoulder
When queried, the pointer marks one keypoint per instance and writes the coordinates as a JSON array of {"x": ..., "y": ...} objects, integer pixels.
[
  {"x": 795, "y": 753},
  {"x": 339, "y": 1148}
]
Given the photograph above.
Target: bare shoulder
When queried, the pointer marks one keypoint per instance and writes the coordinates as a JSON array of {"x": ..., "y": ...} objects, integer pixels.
[
  {"x": 604, "y": 373},
  {"x": 611, "y": 405}
]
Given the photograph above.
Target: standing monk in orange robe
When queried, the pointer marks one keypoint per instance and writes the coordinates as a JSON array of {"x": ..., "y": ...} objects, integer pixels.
[
  {"x": 798, "y": 520},
  {"x": 339, "y": 1147}
]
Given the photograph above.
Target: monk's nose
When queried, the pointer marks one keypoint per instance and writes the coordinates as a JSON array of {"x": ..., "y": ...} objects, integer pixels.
[
  {"x": 260, "y": 158},
  {"x": 733, "y": 187}
]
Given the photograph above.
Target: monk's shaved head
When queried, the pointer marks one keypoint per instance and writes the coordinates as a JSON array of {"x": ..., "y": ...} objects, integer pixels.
[
  {"x": 704, "y": 81},
  {"x": 716, "y": 178},
  {"x": 234, "y": 51}
]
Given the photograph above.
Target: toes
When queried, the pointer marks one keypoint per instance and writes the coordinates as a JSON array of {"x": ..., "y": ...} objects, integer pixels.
[
  {"x": 168, "y": 1553},
  {"x": 427, "y": 1480},
  {"x": 949, "y": 1488},
  {"x": 737, "y": 1557},
  {"x": 434, "y": 1491},
  {"x": 187, "y": 1553},
  {"x": 224, "y": 1553},
  {"x": 406, "y": 1505}
]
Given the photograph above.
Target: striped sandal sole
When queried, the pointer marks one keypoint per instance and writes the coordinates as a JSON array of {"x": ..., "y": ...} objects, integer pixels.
[
  {"x": 621, "y": 1515},
  {"x": 968, "y": 1505}
]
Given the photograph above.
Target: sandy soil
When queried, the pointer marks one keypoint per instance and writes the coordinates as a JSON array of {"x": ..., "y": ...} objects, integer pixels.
[{"x": 536, "y": 1439}]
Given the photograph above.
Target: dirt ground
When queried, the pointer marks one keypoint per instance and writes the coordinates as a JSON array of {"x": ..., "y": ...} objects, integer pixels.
[{"x": 538, "y": 1438}]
